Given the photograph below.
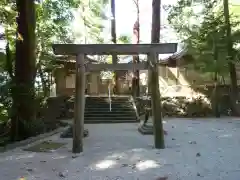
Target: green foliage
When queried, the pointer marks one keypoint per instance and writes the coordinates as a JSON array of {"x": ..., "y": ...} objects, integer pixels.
[
  {"x": 203, "y": 32},
  {"x": 53, "y": 24},
  {"x": 90, "y": 18},
  {"x": 5, "y": 101},
  {"x": 124, "y": 39}
]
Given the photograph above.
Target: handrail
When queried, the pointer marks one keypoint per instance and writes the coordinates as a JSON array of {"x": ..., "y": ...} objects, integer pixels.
[
  {"x": 109, "y": 98},
  {"x": 135, "y": 107}
]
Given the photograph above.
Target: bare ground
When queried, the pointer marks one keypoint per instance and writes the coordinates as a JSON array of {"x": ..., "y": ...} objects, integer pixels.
[{"x": 205, "y": 149}]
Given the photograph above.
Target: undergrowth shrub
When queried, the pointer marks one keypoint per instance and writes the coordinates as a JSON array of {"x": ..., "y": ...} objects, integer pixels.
[{"x": 180, "y": 106}]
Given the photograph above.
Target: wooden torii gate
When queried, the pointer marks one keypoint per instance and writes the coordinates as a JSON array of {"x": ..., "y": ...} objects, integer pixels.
[{"x": 80, "y": 50}]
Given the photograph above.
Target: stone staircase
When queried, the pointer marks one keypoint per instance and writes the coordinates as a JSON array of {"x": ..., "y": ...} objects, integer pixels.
[{"x": 97, "y": 110}]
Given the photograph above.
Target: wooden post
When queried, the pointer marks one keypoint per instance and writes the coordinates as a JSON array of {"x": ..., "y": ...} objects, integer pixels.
[
  {"x": 156, "y": 103},
  {"x": 78, "y": 124}
]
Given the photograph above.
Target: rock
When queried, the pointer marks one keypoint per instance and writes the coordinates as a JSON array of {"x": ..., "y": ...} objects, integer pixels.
[
  {"x": 29, "y": 169},
  {"x": 124, "y": 165},
  {"x": 192, "y": 142},
  {"x": 198, "y": 174},
  {"x": 173, "y": 139},
  {"x": 198, "y": 155},
  {"x": 133, "y": 166},
  {"x": 63, "y": 174},
  {"x": 53, "y": 169}
]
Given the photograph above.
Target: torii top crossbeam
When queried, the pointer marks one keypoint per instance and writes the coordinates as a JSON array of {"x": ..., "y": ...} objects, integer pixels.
[{"x": 119, "y": 49}]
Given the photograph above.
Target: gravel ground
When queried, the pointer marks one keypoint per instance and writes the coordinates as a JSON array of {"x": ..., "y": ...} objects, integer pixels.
[{"x": 195, "y": 149}]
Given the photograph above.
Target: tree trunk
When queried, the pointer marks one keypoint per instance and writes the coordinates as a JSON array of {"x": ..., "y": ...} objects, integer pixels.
[
  {"x": 45, "y": 86},
  {"x": 114, "y": 40},
  {"x": 230, "y": 59},
  {"x": 155, "y": 92},
  {"x": 216, "y": 89},
  {"x": 23, "y": 93},
  {"x": 136, "y": 40}
]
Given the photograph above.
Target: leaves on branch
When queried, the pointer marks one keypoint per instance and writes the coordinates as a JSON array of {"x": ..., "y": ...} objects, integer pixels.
[{"x": 202, "y": 31}]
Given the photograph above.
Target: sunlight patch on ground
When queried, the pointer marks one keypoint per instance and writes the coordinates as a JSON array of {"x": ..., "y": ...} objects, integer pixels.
[
  {"x": 105, "y": 164},
  {"x": 141, "y": 166},
  {"x": 133, "y": 158}
]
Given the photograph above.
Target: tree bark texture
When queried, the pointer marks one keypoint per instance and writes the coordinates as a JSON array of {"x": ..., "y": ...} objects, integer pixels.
[
  {"x": 114, "y": 40},
  {"x": 23, "y": 93},
  {"x": 216, "y": 89},
  {"x": 136, "y": 40},
  {"x": 230, "y": 59}
]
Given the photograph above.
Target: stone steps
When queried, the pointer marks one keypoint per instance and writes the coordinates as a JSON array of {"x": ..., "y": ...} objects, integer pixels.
[{"x": 97, "y": 110}]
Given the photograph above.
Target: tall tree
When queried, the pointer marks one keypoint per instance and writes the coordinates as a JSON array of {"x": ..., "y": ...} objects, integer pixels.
[
  {"x": 230, "y": 58},
  {"x": 136, "y": 40},
  {"x": 53, "y": 24},
  {"x": 203, "y": 30},
  {"x": 114, "y": 40},
  {"x": 23, "y": 92},
  {"x": 90, "y": 20}
]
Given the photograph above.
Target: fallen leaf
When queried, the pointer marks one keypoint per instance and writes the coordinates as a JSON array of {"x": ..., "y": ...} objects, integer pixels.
[
  {"x": 63, "y": 174},
  {"x": 19, "y": 37}
]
